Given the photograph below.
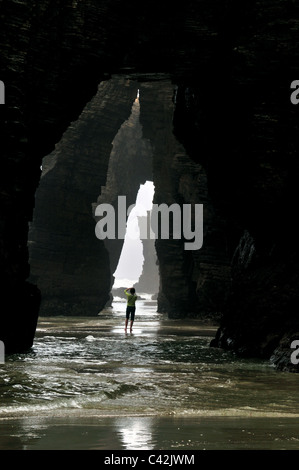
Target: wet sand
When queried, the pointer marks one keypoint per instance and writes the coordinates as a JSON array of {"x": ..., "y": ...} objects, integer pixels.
[{"x": 135, "y": 433}]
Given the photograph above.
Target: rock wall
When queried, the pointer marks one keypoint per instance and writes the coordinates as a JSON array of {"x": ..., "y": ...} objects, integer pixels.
[
  {"x": 103, "y": 154},
  {"x": 248, "y": 145},
  {"x": 130, "y": 165},
  {"x": 234, "y": 147},
  {"x": 68, "y": 263},
  {"x": 53, "y": 56},
  {"x": 71, "y": 267},
  {"x": 149, "y": 280},
  {"x": 191, "y": 282}
]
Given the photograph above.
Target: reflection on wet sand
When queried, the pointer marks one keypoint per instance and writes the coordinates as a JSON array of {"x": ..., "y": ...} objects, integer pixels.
[
  {"x": 135, "y": 433},
  {"x": 150, "y": 433}
]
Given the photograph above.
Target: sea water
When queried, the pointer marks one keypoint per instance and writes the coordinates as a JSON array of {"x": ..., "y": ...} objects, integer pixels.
[{"x": 87, "y": 384}]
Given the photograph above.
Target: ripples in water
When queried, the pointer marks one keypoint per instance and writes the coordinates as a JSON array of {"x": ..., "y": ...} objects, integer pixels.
[{"x": 83, "y": 367}]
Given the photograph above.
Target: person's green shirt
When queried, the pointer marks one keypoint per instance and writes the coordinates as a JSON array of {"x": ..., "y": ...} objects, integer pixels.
[{"x": 131, "y": 299}]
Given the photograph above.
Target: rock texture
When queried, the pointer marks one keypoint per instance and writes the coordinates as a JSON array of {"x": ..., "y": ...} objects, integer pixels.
[
  {"x": 249, "y": 147},
  {"x": 71, "y": 266},
  {"x": 149, "y": 279},
  {"x": 53, "y": 56},
  {"x": 104, "y": 154},
  {"x": 130, "y": 165},
  {"x": 215, "y": 105},
  {"x": 192, "y": 283}
]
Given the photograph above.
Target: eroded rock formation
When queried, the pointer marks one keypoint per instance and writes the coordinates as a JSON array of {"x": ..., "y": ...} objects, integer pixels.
[
  {"x": 191, "y": 282},
  {"x": 216, "y": 78},
  {"x": 149, "y": 279},
  {"x": 130, "y": 165},
  {"x": 68, "y": 263}
]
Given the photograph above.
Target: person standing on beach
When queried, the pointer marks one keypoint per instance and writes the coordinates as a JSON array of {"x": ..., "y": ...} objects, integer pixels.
[{"x": 130, "y": 311}]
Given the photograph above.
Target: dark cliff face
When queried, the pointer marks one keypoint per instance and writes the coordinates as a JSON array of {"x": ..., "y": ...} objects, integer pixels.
[
  {"x": 249, "y": 147},
  {"x": 187, "y": 277},
  {"x": 215, "y": 105}
]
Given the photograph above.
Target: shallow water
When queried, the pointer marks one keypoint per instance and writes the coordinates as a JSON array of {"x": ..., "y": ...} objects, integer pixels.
[{"x": 88, "y": 385}]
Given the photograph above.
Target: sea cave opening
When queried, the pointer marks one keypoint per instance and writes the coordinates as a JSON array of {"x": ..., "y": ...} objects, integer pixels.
[
  {"x": 137, "y": 264},
  {"x": 103, "y": 152}
]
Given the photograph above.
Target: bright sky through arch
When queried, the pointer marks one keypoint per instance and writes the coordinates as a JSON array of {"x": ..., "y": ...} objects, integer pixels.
[{"x": 131, "y": 258}]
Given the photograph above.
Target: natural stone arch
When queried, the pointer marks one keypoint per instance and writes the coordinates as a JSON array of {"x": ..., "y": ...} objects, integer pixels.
[
  {"x": 70, "y": 265},
  {"x": 72, "y": 268}
]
